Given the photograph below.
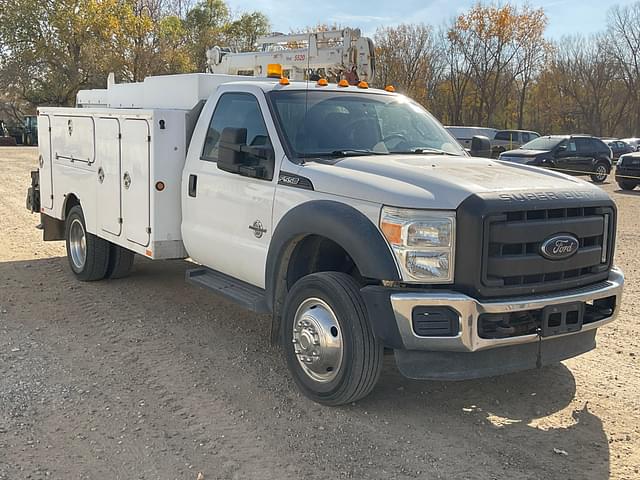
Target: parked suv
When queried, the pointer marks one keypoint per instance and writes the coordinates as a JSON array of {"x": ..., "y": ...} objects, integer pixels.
[
  {"x": 571, "y": 154},
  {"x": 510, "y": 139},
  {"x": 628, "y": 171}
]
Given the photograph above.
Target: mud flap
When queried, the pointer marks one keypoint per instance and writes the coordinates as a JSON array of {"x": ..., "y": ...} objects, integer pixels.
[
  {"x": 33, "y": 193},
  {"x": 422, "y": 365}
]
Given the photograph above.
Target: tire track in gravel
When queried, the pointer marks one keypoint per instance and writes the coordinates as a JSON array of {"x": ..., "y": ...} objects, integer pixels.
[
  {"x": 178, "y": 367},
  {"x": 165, "y": 385}
]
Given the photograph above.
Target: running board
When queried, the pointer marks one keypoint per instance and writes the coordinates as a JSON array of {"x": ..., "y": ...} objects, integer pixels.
[{"x": 248, "y": 296}]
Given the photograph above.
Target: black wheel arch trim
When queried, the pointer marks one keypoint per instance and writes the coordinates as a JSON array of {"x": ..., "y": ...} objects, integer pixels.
[{"x": 338, "y": 222}]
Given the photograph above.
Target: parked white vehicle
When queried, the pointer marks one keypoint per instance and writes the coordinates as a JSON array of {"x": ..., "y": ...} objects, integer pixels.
[
  {"x": 348, "y": 213},
  {"x": 464, "y": 135}
]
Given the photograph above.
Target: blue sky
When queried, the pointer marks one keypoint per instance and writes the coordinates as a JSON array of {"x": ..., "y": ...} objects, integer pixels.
[{"x": 566, "y": 17}]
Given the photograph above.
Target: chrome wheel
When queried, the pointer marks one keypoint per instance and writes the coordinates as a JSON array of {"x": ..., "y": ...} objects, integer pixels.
[
  {"x": 601, "y": 173},
  {"x": 77, "y": 244},
  {"x": 317, "y": 340}
]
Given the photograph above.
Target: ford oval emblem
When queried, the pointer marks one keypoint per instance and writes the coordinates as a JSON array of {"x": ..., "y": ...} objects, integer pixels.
[{"x": 559, "y": 247}]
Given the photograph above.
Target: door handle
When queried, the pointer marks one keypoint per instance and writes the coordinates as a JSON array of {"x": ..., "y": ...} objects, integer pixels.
[{"x": 193, "y": 185}]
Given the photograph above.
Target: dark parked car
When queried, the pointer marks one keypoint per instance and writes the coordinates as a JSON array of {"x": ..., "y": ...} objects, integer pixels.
[
  {"x": 634, "y": 142},
  {"x": 571, "y": 154},
  {"x": 628, "y": 171},
  {"x": 619, "y": 147}
]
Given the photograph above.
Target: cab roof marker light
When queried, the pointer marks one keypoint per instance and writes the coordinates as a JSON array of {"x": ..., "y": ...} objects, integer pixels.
[
  {"x": 363, "y": 84},
  {"x": 284, "y": 81},
  {"x": 343, "y": 83},
  {"x": 323, "y": 82},
  {"x": 390, "y": 88}
]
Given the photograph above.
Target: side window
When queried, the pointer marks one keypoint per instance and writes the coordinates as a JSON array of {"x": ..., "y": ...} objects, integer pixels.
[
  {"x": 525, "y": 137},
  {"x": 585, "y": 145},
  {"x": 505, "y": 136},
  {"x": 235, "y": 110},
  {"x": 571, "y": 146}
]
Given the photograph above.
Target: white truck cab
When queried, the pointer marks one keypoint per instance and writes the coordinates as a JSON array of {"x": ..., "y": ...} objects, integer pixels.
[{"x": 348, "y": 213}]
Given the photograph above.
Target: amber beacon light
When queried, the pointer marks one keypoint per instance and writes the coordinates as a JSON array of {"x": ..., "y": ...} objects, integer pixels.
[{"x": 274, "y": 70}]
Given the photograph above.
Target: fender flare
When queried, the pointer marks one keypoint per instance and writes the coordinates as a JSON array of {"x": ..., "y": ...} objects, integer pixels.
[{"x": 338, "y": 222}]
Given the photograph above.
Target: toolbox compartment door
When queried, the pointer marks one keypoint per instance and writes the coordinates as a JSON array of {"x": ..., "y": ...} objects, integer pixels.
[
  {"x": 46, "y": 171},
  {"x": 135, "y": 179},
  {"x": 109, "y": 177}
]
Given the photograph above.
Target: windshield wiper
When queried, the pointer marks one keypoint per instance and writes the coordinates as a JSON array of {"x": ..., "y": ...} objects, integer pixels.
[
  {"x": 421, "y": 150},
  {"x": 343, "y": 153}
]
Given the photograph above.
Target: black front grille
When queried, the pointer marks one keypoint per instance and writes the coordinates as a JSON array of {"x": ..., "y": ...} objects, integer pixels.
[
  {"x": 514, "y": 239},
  {"x": 499, "y": 238}
]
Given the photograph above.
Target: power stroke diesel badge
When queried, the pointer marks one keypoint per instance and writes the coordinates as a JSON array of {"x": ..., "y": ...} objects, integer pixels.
[{"x": 559, "y": 247}]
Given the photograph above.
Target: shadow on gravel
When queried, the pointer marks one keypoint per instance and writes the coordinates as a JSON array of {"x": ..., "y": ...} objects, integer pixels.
[
  {"x": 502, "y": 420},
  {"x": 513, "y": 407},
  {"x": 632, "y": 193}
]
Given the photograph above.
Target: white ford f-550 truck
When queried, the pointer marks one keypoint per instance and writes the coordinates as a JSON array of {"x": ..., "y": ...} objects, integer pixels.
[{"x": 347, "y": 213}]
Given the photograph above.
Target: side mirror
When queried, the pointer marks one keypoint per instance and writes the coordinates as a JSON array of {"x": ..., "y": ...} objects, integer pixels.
[
  {"x": 235, "y": 156},
  {"x": 560, "y": 150},
  {"x": 230, "y": 154},
  {"x": 480, "y": 146}
]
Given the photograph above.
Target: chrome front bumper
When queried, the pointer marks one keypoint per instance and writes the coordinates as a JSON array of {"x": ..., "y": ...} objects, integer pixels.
[{"x": 469, "y": 309}]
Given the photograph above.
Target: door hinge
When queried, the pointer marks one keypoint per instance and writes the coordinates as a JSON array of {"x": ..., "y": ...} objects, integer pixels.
[
  {"x": 119, "y": 136},
  {"x": 51, "y": 197},
  {"x": 120, "y": 220},
  {"x": 149, "y": 230},
  {"x": 149, "y": 138}
]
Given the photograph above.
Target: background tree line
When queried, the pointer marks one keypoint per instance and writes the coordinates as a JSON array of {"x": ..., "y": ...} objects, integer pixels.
[
  {"x": 49, "y": 49},
  {"x": 490, "y": 66}
]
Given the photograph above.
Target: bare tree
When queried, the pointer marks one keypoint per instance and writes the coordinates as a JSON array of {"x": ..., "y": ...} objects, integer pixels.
[
  {"x": 623, "y": 44},
  {"x": 409, "y": 58},
  {"x": 585, "y": 77}
]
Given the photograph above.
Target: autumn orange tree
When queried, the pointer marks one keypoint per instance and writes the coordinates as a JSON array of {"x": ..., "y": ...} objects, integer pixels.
[{"x": 500, "y": 44}]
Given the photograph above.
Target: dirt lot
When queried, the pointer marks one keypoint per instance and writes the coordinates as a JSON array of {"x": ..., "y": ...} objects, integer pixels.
[{"x": 151, "y": 378}]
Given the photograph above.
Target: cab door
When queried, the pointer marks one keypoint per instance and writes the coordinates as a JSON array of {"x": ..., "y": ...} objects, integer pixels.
[{"x": 227, "y": 217}]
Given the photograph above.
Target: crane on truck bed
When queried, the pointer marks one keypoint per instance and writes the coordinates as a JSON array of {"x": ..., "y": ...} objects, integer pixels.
[{"x": 334, "y": 55}]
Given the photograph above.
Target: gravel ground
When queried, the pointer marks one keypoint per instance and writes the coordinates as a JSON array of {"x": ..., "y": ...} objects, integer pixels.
[{"x": 151, "y": 378}]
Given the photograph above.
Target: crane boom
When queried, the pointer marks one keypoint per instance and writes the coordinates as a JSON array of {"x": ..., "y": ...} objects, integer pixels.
[{"x": 334, "y": 55}]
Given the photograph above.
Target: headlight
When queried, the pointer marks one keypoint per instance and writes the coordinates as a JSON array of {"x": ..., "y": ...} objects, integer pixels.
[{"x": 423, "y": 242}]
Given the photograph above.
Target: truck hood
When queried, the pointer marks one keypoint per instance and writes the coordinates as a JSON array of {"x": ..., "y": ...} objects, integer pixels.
[{"x": 431, "y": 181}]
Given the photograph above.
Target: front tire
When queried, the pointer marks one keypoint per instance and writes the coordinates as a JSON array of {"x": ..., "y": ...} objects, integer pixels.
[
  {"x": 600, "y": 173},
  {"x": 330, "y": 348},
  {"x": 88, "y": 254}
]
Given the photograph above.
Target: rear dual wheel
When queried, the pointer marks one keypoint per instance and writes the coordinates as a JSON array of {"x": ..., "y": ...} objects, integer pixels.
[
  {"x": 90, "y": 257},
  {"x": 331, "y": 350}
]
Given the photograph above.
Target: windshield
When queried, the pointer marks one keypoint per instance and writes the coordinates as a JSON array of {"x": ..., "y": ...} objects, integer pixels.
[
  {"x": 347, "y": 123},
  {"x": 542, "y": 143}
]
